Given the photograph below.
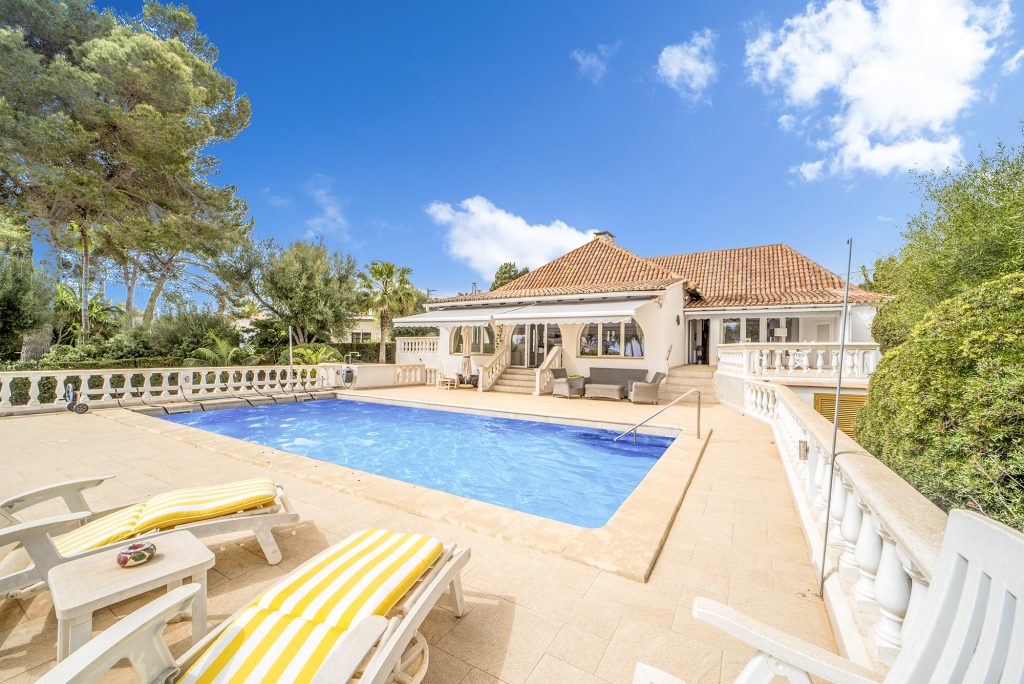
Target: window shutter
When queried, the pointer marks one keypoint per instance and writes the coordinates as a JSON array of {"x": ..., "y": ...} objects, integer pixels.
[{"x": 849, "y": 407}]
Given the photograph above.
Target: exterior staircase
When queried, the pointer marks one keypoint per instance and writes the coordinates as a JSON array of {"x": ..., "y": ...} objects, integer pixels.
[
  {"x": 681, "y": 379},
  {"x": 516, "y": 381}
]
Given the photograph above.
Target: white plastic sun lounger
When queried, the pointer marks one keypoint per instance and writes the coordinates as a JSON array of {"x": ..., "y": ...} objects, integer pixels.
[
  {"x": 34, "y": 547},
  {"x": 970, "y": 629},
  {"x": 309, "y": 627}
]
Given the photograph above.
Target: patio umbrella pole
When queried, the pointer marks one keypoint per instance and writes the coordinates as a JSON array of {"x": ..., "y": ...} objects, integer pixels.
[{"x": 835, "y": 417}]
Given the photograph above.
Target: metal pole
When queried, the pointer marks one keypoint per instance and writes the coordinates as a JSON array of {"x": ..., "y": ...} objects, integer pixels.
[
  {"x": 835, "y": 418},
  {"x": 698, "y": 414},
  {"x": 291, "y": 361}
]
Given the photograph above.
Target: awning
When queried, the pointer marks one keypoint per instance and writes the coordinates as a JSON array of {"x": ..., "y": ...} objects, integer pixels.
[
  {"x": 574, "y": 312},
  {"x": 588, "y": 311},
  {"x": 479, "y": 315}
]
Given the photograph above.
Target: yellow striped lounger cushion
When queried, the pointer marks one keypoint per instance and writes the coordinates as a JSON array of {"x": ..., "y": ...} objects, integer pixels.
[
  {"x": 286, "y": 633},
  {"x": 168, "y": 510}
]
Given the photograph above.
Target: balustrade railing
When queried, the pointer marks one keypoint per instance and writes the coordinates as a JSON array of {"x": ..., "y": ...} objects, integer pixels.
[
  {"x": 492, "y": 370},
  {"x": 35, "y": 391},
  {"x": 415, "y": 349},
  {"x": 544, "y": 381},
  {"x": 883, "y": 535},
  {"x": 39, "y": 390},
  {"x": 808, "y": 359}
]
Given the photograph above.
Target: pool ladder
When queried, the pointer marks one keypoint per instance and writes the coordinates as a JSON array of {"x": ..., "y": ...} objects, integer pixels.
[{"x": 662, "y": 410}]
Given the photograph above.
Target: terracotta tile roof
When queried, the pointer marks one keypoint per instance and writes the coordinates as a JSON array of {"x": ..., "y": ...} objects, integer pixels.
[
  {"x": 598, "y": 266},
  {"x": 749, "y": 276},
  {"x": 760, "y": 276}
]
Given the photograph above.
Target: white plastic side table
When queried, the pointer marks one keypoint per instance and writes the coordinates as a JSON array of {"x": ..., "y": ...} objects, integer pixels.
[{"x": 84, "y": 585}]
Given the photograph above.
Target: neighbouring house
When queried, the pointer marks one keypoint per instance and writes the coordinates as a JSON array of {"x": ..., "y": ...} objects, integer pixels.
[
  {"x": 702, "y": 318},
  {"x": 366, "y": 328}
]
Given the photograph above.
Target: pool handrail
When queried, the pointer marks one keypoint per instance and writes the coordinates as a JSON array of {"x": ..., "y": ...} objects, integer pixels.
[{"x": 661, "y": 410}]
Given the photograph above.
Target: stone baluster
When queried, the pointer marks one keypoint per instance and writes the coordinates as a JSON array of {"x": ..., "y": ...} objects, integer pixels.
[
  {"x": 851, "y": 366},
  {"x": 835, "y": 363},
  {"x": 892, "y": 594},
  {"x": 918, "y": 592},
  {"x": 821, "y": 483},
  {"x": 811, "y": 473},
  {"x": 105, "y": 390},
  {"x": 58, "y": 388},
  {"x": 5, "y": 391},
  {"x": 819, "y": 367},
  {"x": 850, "y": 532},
  {"x": 779, "y": 361},
  {"x": 868, "y": 552},
  {"x": 838, "y": 510},
  {"x": 33, "y": 390}
]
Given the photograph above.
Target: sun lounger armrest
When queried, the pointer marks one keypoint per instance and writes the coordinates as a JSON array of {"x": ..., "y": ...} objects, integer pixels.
[
  {"x": 138, "y": 637},
  {"x": 782, "y": 646},
  {"x": 70, "y": 491},
  {"x": 35, "y": 537},
  {"x": 350, "y": 651}
]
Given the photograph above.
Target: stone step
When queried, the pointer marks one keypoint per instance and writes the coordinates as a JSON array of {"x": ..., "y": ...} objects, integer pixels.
[
  {"x": 683, "y": 386},
  {"x": 511, "y": 389},
  {"x": 517, "y": 381},
  {"x": 525, "y": 372},
  {"x": 676, "y": 373}
]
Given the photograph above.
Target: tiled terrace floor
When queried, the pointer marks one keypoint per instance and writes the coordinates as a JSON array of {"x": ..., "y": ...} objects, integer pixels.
[{"x": 531, "y": 616}]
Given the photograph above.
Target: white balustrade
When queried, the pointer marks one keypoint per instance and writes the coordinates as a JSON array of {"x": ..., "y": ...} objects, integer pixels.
[
  {"x": 809, "y": 359},
  {"x": 544, "y": 380},
  {"x": 416, "y": 350},
  {"x": 883, "y": 535},
  {"x": 492, "y": 370}
]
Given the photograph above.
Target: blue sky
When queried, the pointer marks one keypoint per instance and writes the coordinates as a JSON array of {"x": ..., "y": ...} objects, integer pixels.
[{"x": 677, "y": 126}]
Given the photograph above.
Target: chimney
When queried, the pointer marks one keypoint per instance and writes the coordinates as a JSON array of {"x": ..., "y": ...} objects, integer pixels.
[{"x": 605, "y": 235}]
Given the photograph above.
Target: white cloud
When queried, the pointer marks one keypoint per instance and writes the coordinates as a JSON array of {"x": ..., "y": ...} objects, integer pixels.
[
  {"x": 594, "y": 65},
  {"x": 484, "y": 236},
  {"x": 689, "y": 68},
  {"x": 1011, "y": 65},
  {"x": 331, "y": 218},
  {"x": 809, "y": 171},
  {"x": 787, "y": 121},
  {"x": 899, "y": 73}
]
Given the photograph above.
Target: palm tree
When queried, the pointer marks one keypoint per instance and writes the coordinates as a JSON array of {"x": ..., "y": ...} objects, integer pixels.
[
  {"x": 221, "y": 352},
  {"x": 387, "y": 293}
]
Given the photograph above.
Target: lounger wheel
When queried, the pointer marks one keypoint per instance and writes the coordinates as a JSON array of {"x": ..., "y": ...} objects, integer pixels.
[{"x": 79, "y": 408}]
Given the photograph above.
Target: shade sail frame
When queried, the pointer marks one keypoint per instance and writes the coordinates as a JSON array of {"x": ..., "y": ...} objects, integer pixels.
[{"x": 615, "y": 311}]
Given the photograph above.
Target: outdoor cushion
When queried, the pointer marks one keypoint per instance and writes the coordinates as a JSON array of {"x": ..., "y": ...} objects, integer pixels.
[
  {"x": 286, "y": 633},
  {"x": 616, "y": 376},
  {"x": 168, "y": 510}
]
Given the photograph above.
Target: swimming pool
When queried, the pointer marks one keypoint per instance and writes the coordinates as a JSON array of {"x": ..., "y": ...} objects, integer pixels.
[{"x": 576, "y": 475}]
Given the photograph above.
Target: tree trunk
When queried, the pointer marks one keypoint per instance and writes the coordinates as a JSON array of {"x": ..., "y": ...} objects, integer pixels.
[
  {"x": 154, "y": 297},
  {"x": 158, "y": 288},
  {"x": 131, "y": 280},
  {"x": 85, "y": 285},
  {"x": 383, "y": 356}
]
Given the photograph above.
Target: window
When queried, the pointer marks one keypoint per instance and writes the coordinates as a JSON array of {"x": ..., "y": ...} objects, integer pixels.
[
  {"x": 730, "y": 330},
  {"x": 588, "y": 340},
  {"x": 612, "y": 339},
  {"x": 481, "y": 340},
  {"x": 753, "y": 332},
  {"x": 358, "y": 337},
  {"x": 633, "y": 339}
]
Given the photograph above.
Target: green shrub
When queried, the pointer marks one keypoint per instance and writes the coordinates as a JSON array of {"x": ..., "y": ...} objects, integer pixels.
[
  {"x": 946, "y": 407},
  {"x": 180, "y": 334}
]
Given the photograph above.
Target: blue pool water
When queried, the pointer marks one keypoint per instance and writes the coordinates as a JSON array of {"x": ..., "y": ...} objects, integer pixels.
[{"x": 573, "y": 474}]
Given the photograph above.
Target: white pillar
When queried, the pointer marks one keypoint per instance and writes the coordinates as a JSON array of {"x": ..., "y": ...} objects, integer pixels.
[
  {"x": 868, "y": 552},
  {"x": 892, "y": 593}
]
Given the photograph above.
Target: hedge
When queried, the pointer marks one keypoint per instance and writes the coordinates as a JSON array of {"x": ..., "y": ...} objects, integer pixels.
[{"x": 946, "y": 408}]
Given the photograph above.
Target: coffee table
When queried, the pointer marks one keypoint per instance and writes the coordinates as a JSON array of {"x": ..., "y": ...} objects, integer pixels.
[{"x": 84, "y": 585}]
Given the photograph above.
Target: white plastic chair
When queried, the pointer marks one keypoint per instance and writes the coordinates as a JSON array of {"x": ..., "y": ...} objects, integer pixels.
[{"x": 971, "y": 628}]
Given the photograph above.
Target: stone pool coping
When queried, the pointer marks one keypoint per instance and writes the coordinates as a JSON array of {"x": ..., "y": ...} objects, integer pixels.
[{"x": 627, "y": 545}]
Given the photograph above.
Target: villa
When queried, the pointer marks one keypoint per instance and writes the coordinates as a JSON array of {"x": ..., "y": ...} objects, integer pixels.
[{"x": 767, "y": 311}]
